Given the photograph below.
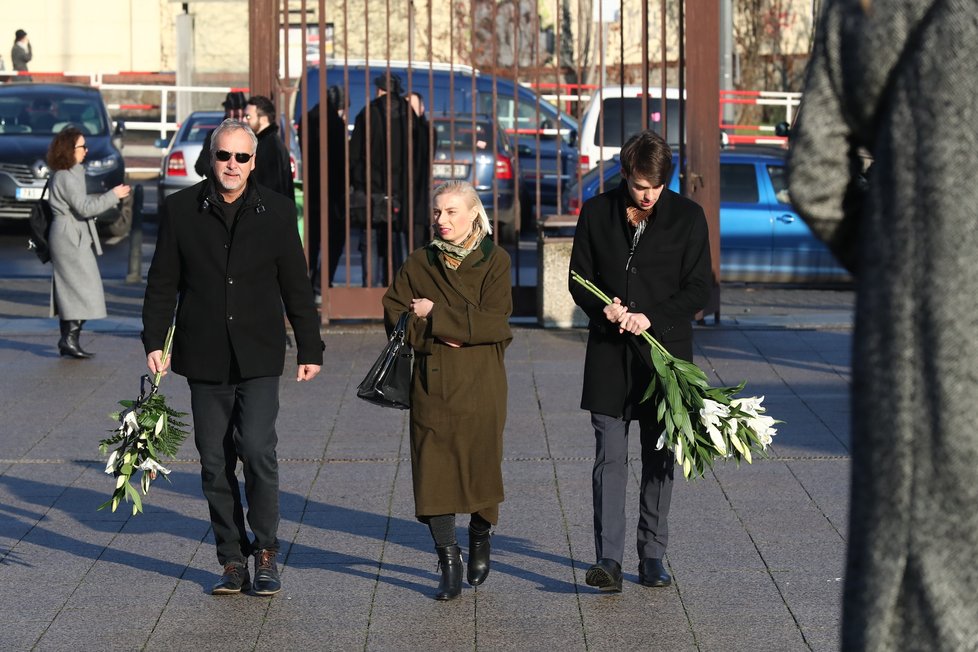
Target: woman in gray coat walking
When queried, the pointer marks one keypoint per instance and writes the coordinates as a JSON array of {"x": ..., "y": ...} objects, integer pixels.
[
  {"x": 76, "y": 292},
  {"x": 898, "y": 78}
]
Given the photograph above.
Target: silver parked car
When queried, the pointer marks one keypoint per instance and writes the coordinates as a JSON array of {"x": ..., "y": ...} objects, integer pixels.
[{"x": 177, "y": 167}]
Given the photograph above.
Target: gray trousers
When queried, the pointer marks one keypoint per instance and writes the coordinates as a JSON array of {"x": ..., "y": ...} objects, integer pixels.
[{"x": 609, "y": 481}]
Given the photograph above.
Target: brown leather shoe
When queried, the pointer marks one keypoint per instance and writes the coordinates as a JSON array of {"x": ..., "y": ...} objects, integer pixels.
[
  {"x": 267, "y": 580},
  {"x": 234, "y": 580}
]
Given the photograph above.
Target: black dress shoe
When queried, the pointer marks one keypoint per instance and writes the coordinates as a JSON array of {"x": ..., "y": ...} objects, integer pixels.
[
  {"x": 605, "y": 575},
  {"x": 651, "y": 572},
  {"x": 267, "y": 581},
  {"x": 234, "y": 580}
]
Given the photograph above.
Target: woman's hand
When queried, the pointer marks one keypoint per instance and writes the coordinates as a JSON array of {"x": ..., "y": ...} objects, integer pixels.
[
  {"x": 121, "y": 191},
  {"x": 421, "y": 307}
]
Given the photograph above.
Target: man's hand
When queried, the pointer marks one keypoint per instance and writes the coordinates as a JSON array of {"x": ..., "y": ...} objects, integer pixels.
[
  {"x": 634, "y": 322},
  {"x": 614, "y": 311},
  {"x": 156, "y": 363},
  {"x": 307, "y": 372},
  {"x": 455, "y": 344}
]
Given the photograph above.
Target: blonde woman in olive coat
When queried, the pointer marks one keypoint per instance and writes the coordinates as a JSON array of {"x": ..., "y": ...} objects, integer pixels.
[{"x": 458, "y": 293}]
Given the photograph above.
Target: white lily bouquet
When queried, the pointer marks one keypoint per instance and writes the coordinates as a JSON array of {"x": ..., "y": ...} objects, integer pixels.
[
  {"x": 148, "y": 431},
  {"x": 702, "y": 423}
]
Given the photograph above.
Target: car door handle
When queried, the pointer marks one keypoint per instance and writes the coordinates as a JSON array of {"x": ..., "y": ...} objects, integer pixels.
[{"x": 786, "y": 219}]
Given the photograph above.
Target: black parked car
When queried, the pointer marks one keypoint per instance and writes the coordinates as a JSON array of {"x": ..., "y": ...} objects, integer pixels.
[{"x": 30, "y": 116}]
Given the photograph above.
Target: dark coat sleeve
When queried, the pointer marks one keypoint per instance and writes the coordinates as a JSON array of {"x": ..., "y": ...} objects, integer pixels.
[
  {"x": 397, "y": 300},
  {"x": 203, "y": 164},
  {"x": 582, "y": 261},
  {"x": 162, "y": 286}
]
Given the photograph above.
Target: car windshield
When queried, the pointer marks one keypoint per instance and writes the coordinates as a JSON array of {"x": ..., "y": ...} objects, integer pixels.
[
  {"x": 47, "y": 114},
  {"x": 461, "y": 135},
  {"x": 198, "y": 127}
]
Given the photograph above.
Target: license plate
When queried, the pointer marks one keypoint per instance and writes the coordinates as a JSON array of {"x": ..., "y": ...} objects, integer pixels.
[
  {"x": 449, "y": 171},
  {"x": 29, "y": 193}
]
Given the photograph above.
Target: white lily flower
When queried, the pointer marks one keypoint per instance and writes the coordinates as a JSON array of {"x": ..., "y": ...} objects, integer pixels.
[
  {"x": 130, "y": 421},
  {"x": 149, "y": 464},
  {"x": 751, "y": 405},
  {"x": 717, "y": 438},
  {"x": 661, "y": 442},
  {"x": 110, "y": 465}
]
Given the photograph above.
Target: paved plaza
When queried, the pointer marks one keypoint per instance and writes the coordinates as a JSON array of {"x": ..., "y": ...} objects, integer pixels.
[{"x": 757, "y": 552}]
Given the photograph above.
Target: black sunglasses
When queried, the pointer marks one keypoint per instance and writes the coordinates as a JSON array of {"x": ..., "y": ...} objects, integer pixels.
[{"x": 224, "y": 156}]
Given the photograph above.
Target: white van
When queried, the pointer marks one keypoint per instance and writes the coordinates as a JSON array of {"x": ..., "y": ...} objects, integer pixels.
[{"x": 620, "y": 111}]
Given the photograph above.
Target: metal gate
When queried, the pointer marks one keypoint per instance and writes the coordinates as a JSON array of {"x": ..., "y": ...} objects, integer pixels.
[{"x": 505, "y": 83}]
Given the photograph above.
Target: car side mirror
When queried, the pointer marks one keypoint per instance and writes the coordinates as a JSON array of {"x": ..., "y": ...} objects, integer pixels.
[
  {"x": 782, "y": 129},
  {"x": 118, "y": 132},
  {"x": 161, "y": 143}
]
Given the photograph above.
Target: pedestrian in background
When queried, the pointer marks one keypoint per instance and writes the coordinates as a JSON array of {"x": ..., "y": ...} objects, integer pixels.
[
  {"x": 230, "y": 341},
  {"x": 898, "y": 79},
  {"x": 20, "y": 54},
  {"x": 334, "y": 196},
  {"x": 386, "y": 192},
  {"x": 458, "y": 295},
  {"x": 421, "y": 170},
  {"x": 234, "y": 108},
  {"x": 76, "y": 292},
  {"x": 273, "y": 168},
  {"x": 648, "y": 248}
]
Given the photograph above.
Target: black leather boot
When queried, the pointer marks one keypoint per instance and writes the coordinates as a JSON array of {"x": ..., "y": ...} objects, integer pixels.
[
  {"x": 479, "y": 547},
  {"x": 68, "y": 344},
  {"x": 450, "y": 563}
]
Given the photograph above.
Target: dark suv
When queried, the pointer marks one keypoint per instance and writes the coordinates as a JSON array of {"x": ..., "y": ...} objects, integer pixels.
[{"x": 30, "y": 116}]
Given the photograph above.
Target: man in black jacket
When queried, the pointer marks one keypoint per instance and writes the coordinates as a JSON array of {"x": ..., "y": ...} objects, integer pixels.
[
  {"x": 383, "y": 186},
  {"x": 273, "y": 169},
  {"x": 648, "y": 249},
  {"x": 227, "y": 258}
]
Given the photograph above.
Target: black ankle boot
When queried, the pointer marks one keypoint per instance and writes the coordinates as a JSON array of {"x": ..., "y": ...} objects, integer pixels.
[
  {"x": 450, "y": 563},
  {"x": 479, "y": 547},
  {"x": 68, "y": 344}
]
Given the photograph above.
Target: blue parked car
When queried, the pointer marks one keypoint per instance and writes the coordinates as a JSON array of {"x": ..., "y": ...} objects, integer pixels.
[
  {"x": 762, "y": 238},
  {"x": 550, "y": 163}
]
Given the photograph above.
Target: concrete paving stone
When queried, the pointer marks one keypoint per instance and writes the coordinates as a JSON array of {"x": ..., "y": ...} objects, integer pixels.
[
  {"x": 322, "y": 632},
  {"x": 19, "y": 634},
  {"x": 656, "y": 617}
]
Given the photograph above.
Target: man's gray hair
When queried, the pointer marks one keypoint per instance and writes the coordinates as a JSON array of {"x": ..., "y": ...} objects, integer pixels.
[{"x": 233, "y": 125}]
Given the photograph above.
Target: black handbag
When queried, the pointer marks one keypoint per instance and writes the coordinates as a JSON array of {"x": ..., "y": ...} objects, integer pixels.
[
  {"x": 39, "y": 224},
  {"x": 388, "y": 383}
]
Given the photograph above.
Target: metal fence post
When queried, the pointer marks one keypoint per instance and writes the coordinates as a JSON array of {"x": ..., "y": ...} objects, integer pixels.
[{"x": 135, "y": 274}]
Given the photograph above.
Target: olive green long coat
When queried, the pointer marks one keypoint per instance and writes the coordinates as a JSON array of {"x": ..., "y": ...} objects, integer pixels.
[{"x": 458, "y": 395}]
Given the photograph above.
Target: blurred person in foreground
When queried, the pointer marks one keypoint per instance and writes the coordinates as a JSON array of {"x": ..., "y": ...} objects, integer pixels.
[
  {"x": 77, "y": 294},
  {"x": 648, "y": 248},
  {"x": 227, "y": 258},
  {"x": 898, "y": 79},
  {"x": 458, "y": 294}
]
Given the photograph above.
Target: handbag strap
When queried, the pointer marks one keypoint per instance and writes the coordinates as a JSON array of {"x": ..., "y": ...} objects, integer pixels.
[{"x": 400, "y": 328}]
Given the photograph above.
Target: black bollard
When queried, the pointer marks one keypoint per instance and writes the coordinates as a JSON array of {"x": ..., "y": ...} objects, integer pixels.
[{"x": 135, "y": 274}]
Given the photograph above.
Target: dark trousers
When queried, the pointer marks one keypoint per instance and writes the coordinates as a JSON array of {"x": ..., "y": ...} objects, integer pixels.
[
  {"x": 609, "y": 481},
  {"x": 235, "y": 421}
]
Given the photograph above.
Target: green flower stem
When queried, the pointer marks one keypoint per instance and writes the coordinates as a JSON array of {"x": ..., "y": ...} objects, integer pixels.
[
  {"x": 596, "y": 291},
  {"x": 168, "y": 343}
]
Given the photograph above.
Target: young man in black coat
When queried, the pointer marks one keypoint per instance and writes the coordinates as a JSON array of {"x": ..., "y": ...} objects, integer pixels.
[
  {"x": 227, "y": 258},
  {"x": 273, "y": 168},
  {"x": 648, "y": 249}
]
